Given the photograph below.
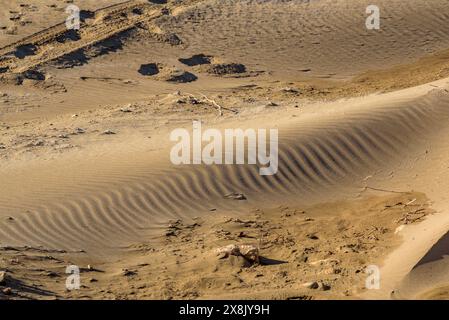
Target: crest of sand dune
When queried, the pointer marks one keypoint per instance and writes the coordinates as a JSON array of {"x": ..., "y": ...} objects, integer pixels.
[{"x": 86, "y": 176}]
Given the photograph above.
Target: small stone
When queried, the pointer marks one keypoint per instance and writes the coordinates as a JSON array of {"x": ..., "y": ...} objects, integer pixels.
[
  {"x": 128, "y": 273},
  {"x": 312, "y": 285},
  {"x": 235, "y": 196},
  {"x": 108, "y": 132},
  {"x": 396, "y": 231},
  {"x": 290, "y": 90},
  {"x": 325, "y": 287},
  {"x": 3, "y": 277},
  {"x": 272, "y": 104},
  {"x": 7, "y": 291},
  {"x": 11, "y": 30},
  {"x": 229, "y": 250},
  {"x": 37, "y": 143},
  {"x": 249, "y": 252},
  {"x": 52, "y": 274},
  {"x": 79, "y": 131},
  {"x": 222, "y": 255},
  {"x": 170, "y": 233}
]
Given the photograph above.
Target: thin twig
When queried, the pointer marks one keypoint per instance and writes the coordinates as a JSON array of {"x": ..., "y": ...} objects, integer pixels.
[
  {"x": 384, "y": 190},
  {"x": 215, "y": 104},
  {"x": 219, "y": 108}
]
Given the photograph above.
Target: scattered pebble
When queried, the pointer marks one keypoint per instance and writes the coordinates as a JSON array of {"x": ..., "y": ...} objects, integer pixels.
[{"x": 79, "y": 131}]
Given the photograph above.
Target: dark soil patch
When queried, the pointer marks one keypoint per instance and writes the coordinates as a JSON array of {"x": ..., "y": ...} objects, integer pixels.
[
  {"x": 150, "y": 69},
  {"x": 83, "y": 55},
  {"x": 180, "y": 76},
  {"x": 34, "y": 75},
  {"x": 196, "y": 60},
  {"x": 226, "y": 69},
  {"x": 25, "y": 50},
  {"x": 170, "y": 38},
  {"x": 69, "y": 35}
]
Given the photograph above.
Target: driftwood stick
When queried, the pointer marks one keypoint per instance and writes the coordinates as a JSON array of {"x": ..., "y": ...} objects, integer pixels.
[
  {"x": 219, "y": 107},
  {"x": 384, "y": 190}
]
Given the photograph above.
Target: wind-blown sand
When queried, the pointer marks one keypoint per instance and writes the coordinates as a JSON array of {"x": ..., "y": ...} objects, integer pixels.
[{"x": 86, "y": 179}]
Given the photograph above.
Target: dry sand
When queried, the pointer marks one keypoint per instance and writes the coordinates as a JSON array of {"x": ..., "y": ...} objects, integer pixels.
[{"x": 86, "y": 178}]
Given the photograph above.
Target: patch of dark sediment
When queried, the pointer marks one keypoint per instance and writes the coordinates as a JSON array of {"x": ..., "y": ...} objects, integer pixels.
[
  {"x": 161, "y": 72},
  {"x": 86, "y": 14},
  {"x": 222, "y": 69},
  {"x": 19, "y": 78},
  {"x": 11, "y": 79},
  {"x": 149, "y": 69},
  {"x": 83, "y": 55},
  {"x": 169, "y": 38},
  {"x": 25, "y": 50},
  {"x": 36, "y": 75},
  {"x": 213, "y": 66},
  {"x": 69, "y": 35},
  {"x": 178, "y": 76}
]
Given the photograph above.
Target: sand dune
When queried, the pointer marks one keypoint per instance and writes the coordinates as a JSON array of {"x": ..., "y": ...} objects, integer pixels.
[
  {"x": 318, "y": 154},
  {"x": 362, "y": 116}
]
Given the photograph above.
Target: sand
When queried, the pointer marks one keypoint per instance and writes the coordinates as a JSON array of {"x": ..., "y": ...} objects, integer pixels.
[{"x": 86, "y": 178}]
